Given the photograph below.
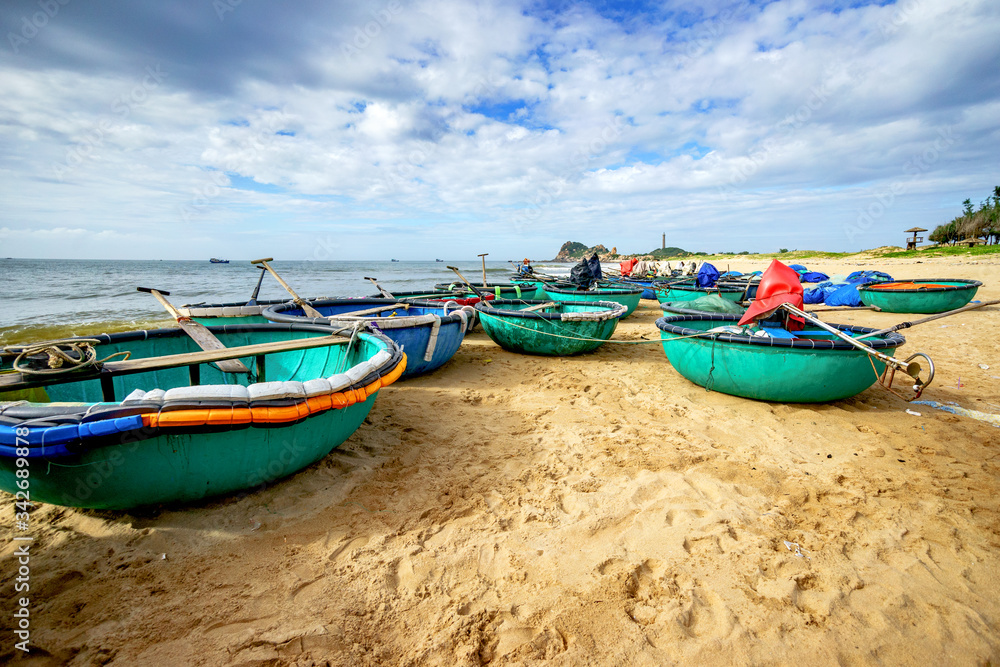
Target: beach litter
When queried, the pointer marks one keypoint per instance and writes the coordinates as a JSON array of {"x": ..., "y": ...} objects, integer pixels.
[
  {"x": 984, "y": 367},
  {"x": 798, "y": 551},
  {"x": 991, "y": 419},
  {"x": 915, "y": 414}
]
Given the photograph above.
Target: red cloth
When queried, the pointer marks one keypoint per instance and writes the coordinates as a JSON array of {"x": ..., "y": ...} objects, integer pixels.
[
  {"x": 779, "y": 284},
  {"x": 470, "y": 301},
  {"x": 627, "y": 265}
]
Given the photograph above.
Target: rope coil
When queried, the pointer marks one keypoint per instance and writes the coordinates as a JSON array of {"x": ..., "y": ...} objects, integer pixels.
[{"x": 66, "y": 355}]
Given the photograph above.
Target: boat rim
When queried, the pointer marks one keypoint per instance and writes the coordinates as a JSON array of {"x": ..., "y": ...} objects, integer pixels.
[
  {"x": 612, "y": 291},
  {"x": 966, "y": 284},
  {"x": 276, "y": 312},
  {"x": 611, "y": 309},
  {"x": 666, "y": 324}
]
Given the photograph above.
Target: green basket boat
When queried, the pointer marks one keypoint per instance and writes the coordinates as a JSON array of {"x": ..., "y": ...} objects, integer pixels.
[
  {"x": 690, "y": 292},
  {"x": 498, "y": 290},
  {"x": 154, "y": 429},
  {"x": 812, "y": 367},
  {"x": 925, "y": 295},
  {"x": 627, "y": 296},
  {"x": 563, "y": 329}
]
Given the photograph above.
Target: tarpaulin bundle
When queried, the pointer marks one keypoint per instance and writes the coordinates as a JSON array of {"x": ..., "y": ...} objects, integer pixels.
[
  {"x": 779, "y": 284},
  {"x": 707, "y": 275},
  {"x": 845, "y": 293},
  {"x": 626, "y": 266},
  {"x": 813, "y": 277},
  {"x": 595, "y": 267}
]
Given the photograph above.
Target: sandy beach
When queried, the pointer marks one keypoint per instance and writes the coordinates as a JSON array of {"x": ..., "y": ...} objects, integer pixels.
[{"x": 599, "y": 509}]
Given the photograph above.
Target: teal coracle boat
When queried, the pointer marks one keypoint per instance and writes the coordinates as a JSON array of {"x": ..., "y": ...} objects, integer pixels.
[
  {"x": 430, "y": 332},
  {"x": 627, "y": 296},
  {"x": 809, "y": 366},
  {"x": 498, "y": 290},
  {"x": 155, "y": 429},
  {"x": 674, "y": 293},
  {"x": 563, "y": 329},
  {"x": 538, "y": 285},
  {"x": 926, "y": 295},
  {"x": 228, "y": 313}
]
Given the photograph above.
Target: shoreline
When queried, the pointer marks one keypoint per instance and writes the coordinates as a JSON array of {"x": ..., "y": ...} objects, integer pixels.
[{"x": 600, "y": 508}]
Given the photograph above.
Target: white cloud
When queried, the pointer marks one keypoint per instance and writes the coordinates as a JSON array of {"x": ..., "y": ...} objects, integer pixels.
[{"x": 535, "y": 125}]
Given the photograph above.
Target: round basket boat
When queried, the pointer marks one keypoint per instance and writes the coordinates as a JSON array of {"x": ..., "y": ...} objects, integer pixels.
[
  {"x": 154, "y": 429},
  {"x": 925, "y": 295},
  {"x": 690, "y": 292},
  {"x": 648, "y": 287},
  {"x": 811, "y": 366},
  {"x": 529, "y": 284},
  {"x": 627, "y": 296},
  {"x": 498, "y": 290},
  {"x": 559, "y": 330},
  {"x": 228, "y": 313},
  {"x": 428, "y": 332}
]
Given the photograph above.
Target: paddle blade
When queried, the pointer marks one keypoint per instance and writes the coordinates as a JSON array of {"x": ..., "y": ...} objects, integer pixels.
[{"x": 206, "y": 340}]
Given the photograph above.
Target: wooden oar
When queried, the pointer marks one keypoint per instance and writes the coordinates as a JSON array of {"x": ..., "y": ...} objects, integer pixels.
[
  {"x": 907, "y": 325},
  {"x": 541, "y": 306},
  {"x": 382, "y": 291},
  {"x": 369, "y": 311},
  {"x": 470, "y": 285},
  {"x": 256, "y": 290},
  {"x": 910, "y": 367},
  {"x": 299, "y": 301},
  {"x": 205, "y": 339},
  {"x": 11, "y": 381},
  {"x": 483, "y": 255}
]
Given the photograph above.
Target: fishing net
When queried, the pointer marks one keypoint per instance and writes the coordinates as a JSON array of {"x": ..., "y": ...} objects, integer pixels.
[{"x": 711, "y": 303}]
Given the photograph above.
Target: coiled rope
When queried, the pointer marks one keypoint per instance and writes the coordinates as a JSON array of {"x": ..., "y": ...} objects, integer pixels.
[{"x": 61, "y": 357}]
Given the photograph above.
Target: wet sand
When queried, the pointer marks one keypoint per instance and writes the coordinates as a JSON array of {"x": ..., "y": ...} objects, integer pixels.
[{"x": 598, "y": 509}]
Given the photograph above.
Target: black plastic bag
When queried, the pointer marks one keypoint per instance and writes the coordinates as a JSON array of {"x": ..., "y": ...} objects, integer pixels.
[{"x": 581, "y": 275}]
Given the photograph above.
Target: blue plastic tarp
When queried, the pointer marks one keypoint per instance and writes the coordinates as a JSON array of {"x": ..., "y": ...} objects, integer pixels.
[
  {"x": 813, "y": 277},
  {"x": 707, "y": 275}
]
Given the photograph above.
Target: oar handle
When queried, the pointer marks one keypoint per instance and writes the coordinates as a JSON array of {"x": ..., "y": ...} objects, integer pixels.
[
  {"x": 938, "y": 316},
  {"x": 264, "y": 264},
  {"x": 159, "y": 294},
  {"x": 470, "y": 285},
  {"x": 256, "y": 290},
  {"x": 381, "y": 290}
]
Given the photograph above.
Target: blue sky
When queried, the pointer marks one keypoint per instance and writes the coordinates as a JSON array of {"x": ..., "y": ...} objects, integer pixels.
[{"x": 415, "y": 130}]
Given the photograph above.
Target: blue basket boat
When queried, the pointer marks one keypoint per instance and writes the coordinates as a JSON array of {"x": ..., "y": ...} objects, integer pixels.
[{"x": 428, "y": 332}]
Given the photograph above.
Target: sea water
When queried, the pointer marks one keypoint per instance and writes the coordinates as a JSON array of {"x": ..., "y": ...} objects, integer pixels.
[{"x": 42, "y": 299}]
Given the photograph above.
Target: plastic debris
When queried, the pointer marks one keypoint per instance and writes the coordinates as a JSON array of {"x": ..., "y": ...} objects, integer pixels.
[
  {"x": 993, "y": 420},
  {"x": 255, "y": 524},
  {"x": 798, "y": 551},
  {"x": 915, "y": 414},
  {"x": 984, "y": 367},
  {"x": 163, "y": 556}
]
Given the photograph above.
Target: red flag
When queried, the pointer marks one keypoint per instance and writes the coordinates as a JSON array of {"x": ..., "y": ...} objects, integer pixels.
[{"x": 779, "y": 284}]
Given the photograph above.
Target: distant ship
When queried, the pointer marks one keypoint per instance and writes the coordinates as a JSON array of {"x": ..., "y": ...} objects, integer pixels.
[
  {"x": 393, "y": 260},
  {"x": 438, "y": 260},
  {"x": 216, "y": 260}
]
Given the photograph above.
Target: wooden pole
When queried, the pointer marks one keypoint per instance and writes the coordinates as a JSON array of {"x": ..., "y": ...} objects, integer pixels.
[{"x": 484, "y": 268}]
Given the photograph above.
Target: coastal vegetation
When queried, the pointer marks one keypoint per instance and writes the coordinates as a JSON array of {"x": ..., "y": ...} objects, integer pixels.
[{"x": 974, "y": 225}]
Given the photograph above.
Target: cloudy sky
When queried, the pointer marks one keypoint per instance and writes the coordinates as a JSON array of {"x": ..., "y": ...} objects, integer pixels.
[{"x": 418, "y": 129}]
